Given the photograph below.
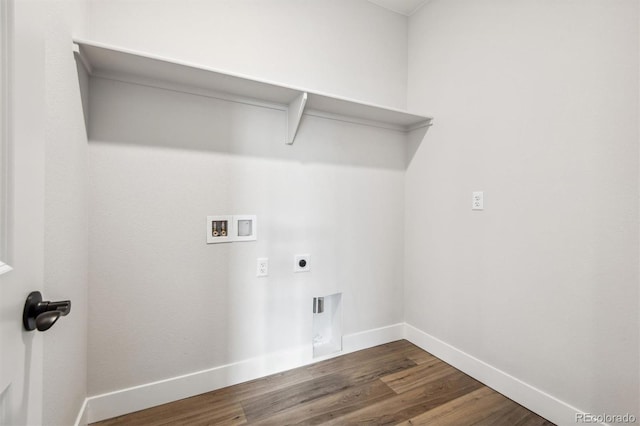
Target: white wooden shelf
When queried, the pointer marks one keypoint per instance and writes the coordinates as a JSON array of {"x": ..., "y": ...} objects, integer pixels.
[{"x": 102, "y": 60}]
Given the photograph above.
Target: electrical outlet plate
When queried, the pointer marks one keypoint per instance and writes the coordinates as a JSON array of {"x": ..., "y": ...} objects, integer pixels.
[
  {"x": 245, "y": 227},
  {"x": 477, "y": 200},
  {"x": 262, "y": 267},
  {"x": 219, "y": 229},
  {"x": 302, "y": 258}
]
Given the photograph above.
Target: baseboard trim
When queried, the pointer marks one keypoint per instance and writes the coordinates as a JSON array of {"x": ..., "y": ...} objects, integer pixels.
[
  {"x": 370, "y": 338},
  {"x": 540, "y": 402},
  {"x": 81, "y": 419},
  {"x": 124, "y": 401}
]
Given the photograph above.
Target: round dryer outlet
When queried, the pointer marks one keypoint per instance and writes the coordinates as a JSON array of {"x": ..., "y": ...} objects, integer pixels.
[{"x": 302, "y": 263}]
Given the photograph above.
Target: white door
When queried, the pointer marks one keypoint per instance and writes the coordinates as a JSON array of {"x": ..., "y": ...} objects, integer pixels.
[{"x": 22, "y": 208}]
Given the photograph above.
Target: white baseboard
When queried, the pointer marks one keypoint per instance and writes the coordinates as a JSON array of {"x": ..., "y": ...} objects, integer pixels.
[
  {"x": 112, "y": 404},
  {"x": 370, "y": 338},
  {"x": 547, "y": 406},
  {"x": 81, "y": 419},
  {"x": 117, "y": 403}
]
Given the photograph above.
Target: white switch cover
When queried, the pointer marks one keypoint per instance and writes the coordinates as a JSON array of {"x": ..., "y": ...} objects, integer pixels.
[
  {"x": 263, "y": 267},
  {"x": 477, "y": 202}
]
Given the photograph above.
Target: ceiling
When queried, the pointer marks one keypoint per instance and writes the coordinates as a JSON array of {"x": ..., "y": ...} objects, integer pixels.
[{"x": 404, "y": 7}]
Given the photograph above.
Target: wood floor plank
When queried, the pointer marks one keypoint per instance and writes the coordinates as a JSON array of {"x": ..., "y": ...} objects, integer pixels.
[
  {"x": 413, "y": 402},
  {"x": 253, "y": 388},
  {"x": 395, "y": 383},
  {"x": 419, "y": 375},
  {"x": 331, "y": 406},
  {"x": 210, "y": 403},
  {"x": 376, "y": 368},
  {"x": 419, "y": 356},
  {"x": 467, "y": 409},
  {"x": 185, "y": 411},
  {"x": 233, "y": 415},
  {"x": 413, "y": 352},
  {"x": 277, "y": 401},
  {"x": 512, "y": 414},
  {"x": 274, "y": 402},
  {"x": 380, "y": 354}
]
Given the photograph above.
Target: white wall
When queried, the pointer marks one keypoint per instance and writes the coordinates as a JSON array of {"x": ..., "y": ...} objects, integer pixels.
[
  {"x": 536, "y": 104},
  {"x": 163, "y": 303},
  {"x": 349, "y": 48},
  {"x": 66, "y": 216}
]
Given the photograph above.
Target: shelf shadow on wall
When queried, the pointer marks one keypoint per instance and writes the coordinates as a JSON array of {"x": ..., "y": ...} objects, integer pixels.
[{"x": 125, "y": 113}]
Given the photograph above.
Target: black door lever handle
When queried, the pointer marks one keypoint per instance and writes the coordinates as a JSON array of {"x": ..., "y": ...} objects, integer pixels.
[{"x": 42, "y": 314}]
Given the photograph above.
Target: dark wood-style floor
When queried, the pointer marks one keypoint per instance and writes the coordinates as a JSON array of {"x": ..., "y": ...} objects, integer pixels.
[{"x": 396, "y": 383}]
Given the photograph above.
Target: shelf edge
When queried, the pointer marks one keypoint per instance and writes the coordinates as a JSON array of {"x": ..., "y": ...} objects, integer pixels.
[
  {"x": 294, "y": 115},
  {"x": 81, "y": 42}
]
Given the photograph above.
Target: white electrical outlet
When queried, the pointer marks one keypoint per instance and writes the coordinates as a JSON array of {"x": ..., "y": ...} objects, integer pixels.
[
  {"x": 477, "y": 201},
  {"x": 263, "y": 267},
  {"x": 302, "y": 263}
]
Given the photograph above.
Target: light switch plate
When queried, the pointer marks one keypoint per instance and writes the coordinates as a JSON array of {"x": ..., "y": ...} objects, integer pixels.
[{"x": 477, "y": 202}]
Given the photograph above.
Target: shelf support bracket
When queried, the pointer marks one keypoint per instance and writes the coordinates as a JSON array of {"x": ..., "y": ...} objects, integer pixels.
[
  {"x": 85, "y": 70},
  {"x": 294, "y": 115}
]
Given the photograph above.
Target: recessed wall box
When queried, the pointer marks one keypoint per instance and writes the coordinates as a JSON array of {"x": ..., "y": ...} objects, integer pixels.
[
  {"x": 219, "y": 229},
  {"x": 245, "y": 228},
  {"x": 327, "y": 324}
]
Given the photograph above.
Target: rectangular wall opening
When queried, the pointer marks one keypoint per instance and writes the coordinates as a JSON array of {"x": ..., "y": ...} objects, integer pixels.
[{"x": 327, "y": 324}]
